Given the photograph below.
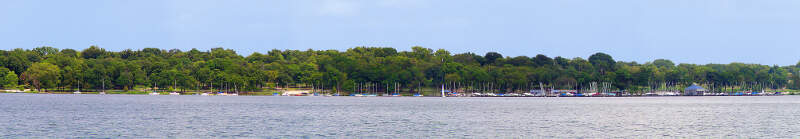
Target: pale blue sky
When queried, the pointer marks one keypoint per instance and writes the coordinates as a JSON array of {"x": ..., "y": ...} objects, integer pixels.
[{"x": 685, "y": 31}]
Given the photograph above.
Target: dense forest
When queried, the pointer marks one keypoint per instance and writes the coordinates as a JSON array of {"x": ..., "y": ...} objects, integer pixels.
[{"x": 94, "y": 68}]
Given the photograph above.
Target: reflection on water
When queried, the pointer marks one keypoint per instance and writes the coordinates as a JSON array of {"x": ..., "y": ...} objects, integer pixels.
[{"x": 115, "y": 116}]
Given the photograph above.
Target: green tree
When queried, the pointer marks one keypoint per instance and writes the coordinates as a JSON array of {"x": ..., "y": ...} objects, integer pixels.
[
  {"x": 45, "y": 50},
  {"x": 8, "y": 79},
  {"x": 11, "y": 80},
  {"x": 42, "y": 75},
  {"x": 93, "y": 52},
  {"x": 602, "y": 62},
  {"x": 663, "y": 63},
  {"x": 491, "y": 57},
  {"x": 224, "y": 69}
]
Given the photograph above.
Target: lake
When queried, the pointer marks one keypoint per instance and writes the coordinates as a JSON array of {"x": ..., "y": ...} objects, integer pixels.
[{"x": 142, "y": 116}]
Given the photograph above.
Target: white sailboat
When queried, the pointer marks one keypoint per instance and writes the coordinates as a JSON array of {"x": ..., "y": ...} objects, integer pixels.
[
  {"x": 104, "y": 88},
  {"x": 79, "y": 89},
  {"x": 443, "y": 73},
  {"x": 443, "y": 91},
  {"x": 154, "y": 89}
]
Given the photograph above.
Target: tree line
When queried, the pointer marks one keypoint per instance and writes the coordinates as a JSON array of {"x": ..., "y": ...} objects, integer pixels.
[{"x": 94, "y": 68}]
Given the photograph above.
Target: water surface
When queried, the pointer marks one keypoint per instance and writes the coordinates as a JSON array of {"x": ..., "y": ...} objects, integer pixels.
[{"x": 141, "y": 116}]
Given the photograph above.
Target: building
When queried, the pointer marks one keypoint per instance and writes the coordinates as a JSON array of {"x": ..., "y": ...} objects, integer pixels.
[{"x": 694, "y": 90}]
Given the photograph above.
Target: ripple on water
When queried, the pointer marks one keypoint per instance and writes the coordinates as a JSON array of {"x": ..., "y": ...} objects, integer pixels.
[{"x": 131, "y": 116}]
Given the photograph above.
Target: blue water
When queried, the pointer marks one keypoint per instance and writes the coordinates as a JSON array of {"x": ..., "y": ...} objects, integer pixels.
[{"x": 142, "y": 116}]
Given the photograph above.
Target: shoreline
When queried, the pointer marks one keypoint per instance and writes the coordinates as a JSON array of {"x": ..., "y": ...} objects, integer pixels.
[{"x": 195, "y": 94}]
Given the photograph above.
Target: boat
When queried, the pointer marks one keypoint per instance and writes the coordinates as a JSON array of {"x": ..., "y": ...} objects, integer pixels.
[
  {"x": 418, "y": 95},
  {"x": 672, "y": 94},
  {"x": 154, "y": 93},
  {"x": 204, "y": 94},
  {"x": 174, "y": 93},
  {"x": 102, "y": 93},
  {"x": 443, "y": 95},
  {"x": 79, "y": 89}
]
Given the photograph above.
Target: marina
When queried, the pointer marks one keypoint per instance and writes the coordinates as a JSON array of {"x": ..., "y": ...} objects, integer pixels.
[{"x": 400, "y": 69}]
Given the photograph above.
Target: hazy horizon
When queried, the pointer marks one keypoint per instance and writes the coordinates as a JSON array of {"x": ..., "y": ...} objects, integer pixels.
[{"x": 684, "y": 31}]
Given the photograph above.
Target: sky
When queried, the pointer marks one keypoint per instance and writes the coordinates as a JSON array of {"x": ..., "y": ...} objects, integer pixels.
[{"x": 684, "y": 31}]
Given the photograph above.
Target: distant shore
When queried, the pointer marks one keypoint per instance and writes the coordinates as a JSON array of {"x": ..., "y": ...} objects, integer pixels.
[{"x": 363, "y": 95}]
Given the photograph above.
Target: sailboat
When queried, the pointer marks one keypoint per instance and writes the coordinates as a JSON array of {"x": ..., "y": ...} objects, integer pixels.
[
  {"x": 443, "y": 91},
  {"x": 396, "y": 94},
  {"x": 104, "y": 88},
  {"x": 154, "y": 90},
  {"x": 79, "y": 89},
  {"x": 443, "y": 63},
  {"x": 174, "y": 85}
]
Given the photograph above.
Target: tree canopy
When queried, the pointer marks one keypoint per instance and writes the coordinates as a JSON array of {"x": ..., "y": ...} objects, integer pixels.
[{"x": 219, "y": 68}]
